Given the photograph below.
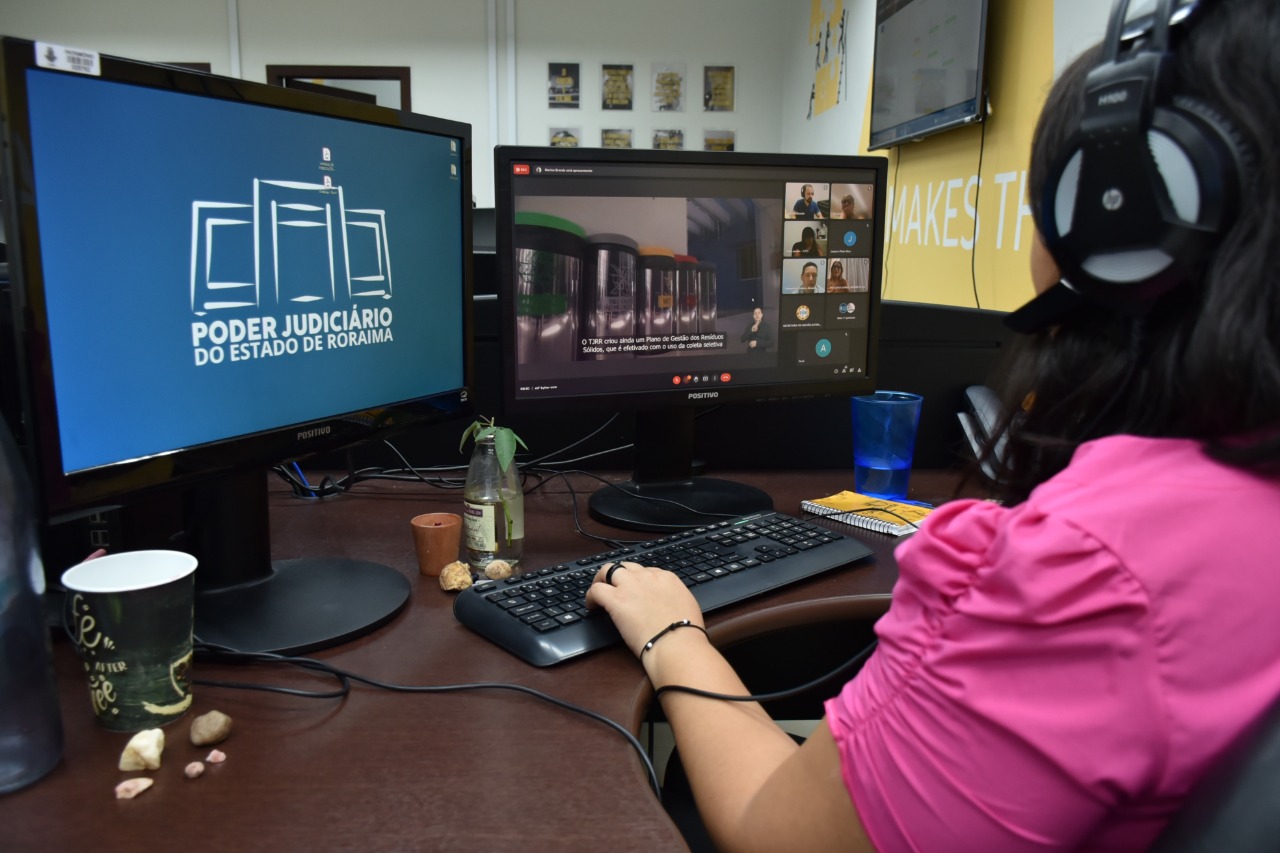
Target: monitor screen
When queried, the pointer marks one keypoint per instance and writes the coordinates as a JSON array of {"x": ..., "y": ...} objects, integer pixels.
[
  {"x": 212, "y": 276},
  {"x": 927, "y": 71},
  {"x": 662, "y": 281}
]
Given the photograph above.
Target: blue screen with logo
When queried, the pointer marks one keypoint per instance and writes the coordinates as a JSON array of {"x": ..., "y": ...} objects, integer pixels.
[{"x": 215, "y": 269}]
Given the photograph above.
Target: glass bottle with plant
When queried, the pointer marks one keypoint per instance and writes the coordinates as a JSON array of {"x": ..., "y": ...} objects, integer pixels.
[{"x": 493, "y": 502}]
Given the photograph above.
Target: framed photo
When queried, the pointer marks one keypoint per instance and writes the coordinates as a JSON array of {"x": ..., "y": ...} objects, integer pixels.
[
  {"x": 718, "y": 88},
  {"x": 616, "y": 137},
  {"x": 564, "y": 137},
  {"x": 617, "y": 87},
  {"x": 718, "y": 140},
  {"x": 563, "y": 85},
  {"x": 671, "y": 139},
  {"x": 668, "y": 87}
]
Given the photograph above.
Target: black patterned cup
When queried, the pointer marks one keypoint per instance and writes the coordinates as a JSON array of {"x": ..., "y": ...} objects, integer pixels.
[{"x": 130, "y": 616}]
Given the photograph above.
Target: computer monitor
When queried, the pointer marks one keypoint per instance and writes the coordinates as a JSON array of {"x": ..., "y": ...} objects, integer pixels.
[
  {"x": 211, "y": 277},
  {"x": 662, "y": 282},
  {"x": 927, "y": 69}
]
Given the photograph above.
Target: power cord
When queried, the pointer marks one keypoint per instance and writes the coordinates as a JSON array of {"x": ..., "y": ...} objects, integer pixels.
[
  {"x": 977, "y": 192},
  {"x": 221, "y": 654},
  {"x": 777, "y": 694},
  {"x": 884, "y": 273},
  {"x": 832, "y": 513},
  {"x": 215, "y": 653}
]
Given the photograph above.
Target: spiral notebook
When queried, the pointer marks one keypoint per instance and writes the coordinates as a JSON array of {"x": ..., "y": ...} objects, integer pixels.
[{"x": 878, "y": 514}]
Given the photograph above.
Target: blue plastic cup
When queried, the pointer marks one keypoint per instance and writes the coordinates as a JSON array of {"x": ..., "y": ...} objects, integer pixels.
[{"x": 884, "y": 439}]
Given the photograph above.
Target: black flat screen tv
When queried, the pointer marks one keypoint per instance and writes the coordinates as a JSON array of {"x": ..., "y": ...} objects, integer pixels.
[{"x": 927, "y": 73}]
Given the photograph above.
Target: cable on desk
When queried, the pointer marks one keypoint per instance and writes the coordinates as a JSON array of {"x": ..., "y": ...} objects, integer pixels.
[
  {"x": 222, "y": 654},
  {"x": 210, "y": 651},
  {"x": 292, "y": 474}
]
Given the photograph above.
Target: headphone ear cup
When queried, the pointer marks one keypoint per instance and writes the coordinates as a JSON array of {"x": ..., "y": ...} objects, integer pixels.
[
  {"x": 1233, "y": 162},
  {"x": 1198, "y": 163}
]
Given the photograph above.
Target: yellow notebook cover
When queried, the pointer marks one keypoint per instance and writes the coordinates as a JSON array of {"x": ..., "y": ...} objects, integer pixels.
[{"x": 878, "y": 514}]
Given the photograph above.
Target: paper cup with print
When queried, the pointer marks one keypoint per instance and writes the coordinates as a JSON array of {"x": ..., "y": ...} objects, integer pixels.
[{"x": 130, "y": 616}]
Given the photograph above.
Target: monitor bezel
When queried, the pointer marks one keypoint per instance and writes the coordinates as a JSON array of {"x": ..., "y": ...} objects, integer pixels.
[
  {"x": 65, "y": 495},
  {"x": 847, "y": 385}
]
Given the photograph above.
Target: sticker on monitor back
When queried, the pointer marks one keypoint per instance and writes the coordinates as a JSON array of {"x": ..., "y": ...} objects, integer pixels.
[{"x": 60, "y": 58}]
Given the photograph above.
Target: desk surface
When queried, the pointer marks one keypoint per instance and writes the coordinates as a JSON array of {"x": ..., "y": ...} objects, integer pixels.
[{"x": 474, "y": 770}]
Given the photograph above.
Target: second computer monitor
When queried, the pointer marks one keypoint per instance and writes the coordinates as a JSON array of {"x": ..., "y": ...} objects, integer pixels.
[{"x": 660, "y": 282}]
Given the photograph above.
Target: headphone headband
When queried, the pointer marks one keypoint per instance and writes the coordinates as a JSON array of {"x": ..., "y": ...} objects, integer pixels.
[{"x": 1148, "y": 182}]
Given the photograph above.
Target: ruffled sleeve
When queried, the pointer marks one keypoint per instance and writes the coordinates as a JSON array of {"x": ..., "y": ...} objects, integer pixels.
[{"x": 1010, "y": 703}]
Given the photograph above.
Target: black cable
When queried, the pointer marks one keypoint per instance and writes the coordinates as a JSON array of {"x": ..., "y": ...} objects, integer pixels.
[
  {"x": 582, "y": 440},
  {"x": 884, "y": 273},
  {"x": 573, "y": 505},
  {"x": 209, "y": 651},
  {"x": 777, "y": 694},
  {"x": 977, "y": 191},
  {"x": 832, "y": 513},
  {"x": 222, "y": 654},
  {"x": 650, "y": 498}
]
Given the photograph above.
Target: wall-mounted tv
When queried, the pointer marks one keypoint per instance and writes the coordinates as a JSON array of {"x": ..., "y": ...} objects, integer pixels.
[{"x": 927, "y": 73}]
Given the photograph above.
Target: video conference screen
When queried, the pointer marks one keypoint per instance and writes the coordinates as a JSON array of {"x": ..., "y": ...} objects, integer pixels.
[
  {"x": 656, "y": 275},
  {"x": 214, "y": 269}
]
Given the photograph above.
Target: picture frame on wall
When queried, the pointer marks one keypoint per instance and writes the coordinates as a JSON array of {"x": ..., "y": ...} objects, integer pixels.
[
  {"x": 718, "y": 140},
  {"x": 669, "y": 139},
  {"x": 718, "y": 88},
  {"x": 616, "y": 137},
  {"x": 617, "y": 87},
  {"x": 564, "y": 137},
  {"x": 564, "y": 85},
  {"x": 668, "y": 87}
]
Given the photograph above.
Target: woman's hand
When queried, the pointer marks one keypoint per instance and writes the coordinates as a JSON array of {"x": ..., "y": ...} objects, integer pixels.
[{"x": 642, "y": 601}]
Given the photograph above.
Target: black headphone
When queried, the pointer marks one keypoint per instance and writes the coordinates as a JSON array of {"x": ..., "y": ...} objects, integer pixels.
[{"x": 1149, "y": 182}]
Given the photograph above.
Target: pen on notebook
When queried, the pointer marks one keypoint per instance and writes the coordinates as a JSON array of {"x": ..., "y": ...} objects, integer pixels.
[{"x": 915, "y": 503}]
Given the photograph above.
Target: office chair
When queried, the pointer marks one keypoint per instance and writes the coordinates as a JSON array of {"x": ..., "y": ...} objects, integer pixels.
[
  {"x": 1236, "y": 805},
  {"x": 782, "y": 647}
]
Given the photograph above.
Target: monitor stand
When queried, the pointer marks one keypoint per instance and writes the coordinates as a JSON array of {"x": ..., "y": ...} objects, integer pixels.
[
  {"x": 246, "y": 602},
  {"x": 662, "y": 494}
]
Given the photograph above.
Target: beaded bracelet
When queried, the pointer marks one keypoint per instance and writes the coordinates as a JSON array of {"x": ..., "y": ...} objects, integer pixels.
[{"x": 683, "y": 623}]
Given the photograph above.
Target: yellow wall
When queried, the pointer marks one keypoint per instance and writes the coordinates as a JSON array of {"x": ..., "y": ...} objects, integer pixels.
[{"x": 934, "y": 183}]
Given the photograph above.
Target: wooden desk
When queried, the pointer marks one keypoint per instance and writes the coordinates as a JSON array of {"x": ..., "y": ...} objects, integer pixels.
[{"x": 476, "y": 770}]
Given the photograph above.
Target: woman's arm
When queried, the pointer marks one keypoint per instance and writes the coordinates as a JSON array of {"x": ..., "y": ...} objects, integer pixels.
[{"x": 755, "y": 789}]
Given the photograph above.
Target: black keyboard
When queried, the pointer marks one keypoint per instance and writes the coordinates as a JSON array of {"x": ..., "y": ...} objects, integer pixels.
[{"x": 541, "y": 616}]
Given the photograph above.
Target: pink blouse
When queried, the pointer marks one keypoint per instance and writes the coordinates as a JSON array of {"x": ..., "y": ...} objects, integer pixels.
[{"x": 1056, "y": 675}]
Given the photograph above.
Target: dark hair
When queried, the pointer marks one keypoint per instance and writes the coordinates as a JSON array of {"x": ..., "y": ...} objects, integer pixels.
[
  {"x": 808, "y": 234},
  {"x": 1204, "y": 363}
]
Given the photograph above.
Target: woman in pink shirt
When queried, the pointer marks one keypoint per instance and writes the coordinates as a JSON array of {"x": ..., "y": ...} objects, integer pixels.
[{"x": 1057, "y": 671}]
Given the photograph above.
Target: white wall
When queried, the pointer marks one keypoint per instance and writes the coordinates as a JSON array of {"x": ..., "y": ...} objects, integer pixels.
[
  {"x": 1077, "y": 25},
  {"x": 751, "y": 35},
  {"x": 444, "y": 43},
  {"x": 839, "y": 129},
  {"x": 460, "y": 58},
  {"x": 154, "y": 30}
]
